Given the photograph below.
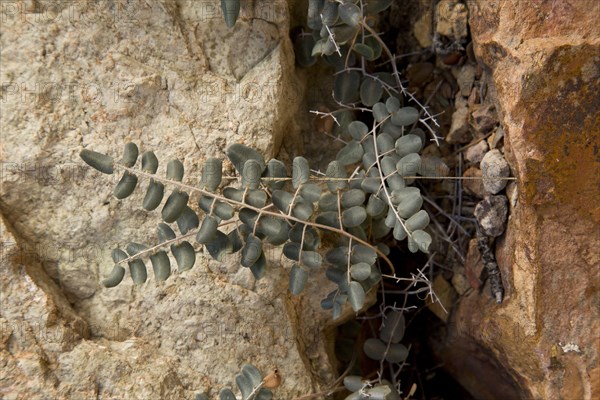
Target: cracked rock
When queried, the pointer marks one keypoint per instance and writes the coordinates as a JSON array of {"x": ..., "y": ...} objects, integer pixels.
[{"x": 491, "y": 214}]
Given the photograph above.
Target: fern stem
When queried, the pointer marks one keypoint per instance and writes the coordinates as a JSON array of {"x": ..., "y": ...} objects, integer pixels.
[{"x": 258, "y": 210}]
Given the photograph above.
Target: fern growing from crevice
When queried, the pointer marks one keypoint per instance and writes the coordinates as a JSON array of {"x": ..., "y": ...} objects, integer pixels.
[{"x": 364, "y": 197}]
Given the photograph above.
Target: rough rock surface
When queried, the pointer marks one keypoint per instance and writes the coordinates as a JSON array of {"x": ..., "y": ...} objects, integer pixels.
[
  {"x": 171, "y": 77},
  {"x": 545, "y": 68}
]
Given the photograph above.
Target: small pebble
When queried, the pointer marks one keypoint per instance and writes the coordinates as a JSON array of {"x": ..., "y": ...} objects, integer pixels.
[
  {"x": 459, "y": 129},
  {"x": 491, "y": 214},
  {"x": 475, "y": 153},
  {"x": 474, "y": 187},
  {"x": 494, "y": 167}
]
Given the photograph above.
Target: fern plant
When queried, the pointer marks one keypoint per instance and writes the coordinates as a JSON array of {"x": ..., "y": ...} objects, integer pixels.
[{"x": 366, "y": 194}]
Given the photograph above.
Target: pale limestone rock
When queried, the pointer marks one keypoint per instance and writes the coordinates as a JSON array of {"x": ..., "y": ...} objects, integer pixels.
[
  {"x": 459, "y": 130},
  {"x": 172, "y": 78}
]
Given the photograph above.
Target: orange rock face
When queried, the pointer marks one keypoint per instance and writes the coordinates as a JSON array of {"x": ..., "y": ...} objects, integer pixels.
[{"x": 543, "y": 58}]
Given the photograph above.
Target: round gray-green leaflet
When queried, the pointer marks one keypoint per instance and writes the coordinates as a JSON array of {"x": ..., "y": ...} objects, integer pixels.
[
  {"x": 397, "y": 353},
  {"x": 134, "y": 248},
  {"x": 329, "y": 13},
  {"x": 298, "y": 279},
  {"x": 175, "y": 170},
  {"x": 174, "y": 206},
  {"x": 351, "y": 153},
  {"x": 115, "y": 277},
  {"x": 409, "y": 165},
  {"x": 311, "y": 259},
  {"x": 292, "y": 251},
  {"x": 374, "y": 349},
  {"x": 323, "y": 47},
  {"x": 251, "y": 251},
  {"x": 252, "y": 373},
  {"x": 371, "y": 184},
  {"x": 376, "y": 207},
  {"x": 356, "y": 179},
  {"x": 354, "y": 216},
  {"x": 259, "y": 268},
  {"x": 336, "y": 170},
  {"x": 408, "y": 144},
  {"x": 226, "y": 394},
  {"x": 353, "y": 198},
  {"x": 310, "y": 192},
  {"x": 377, "y": 6},
  {"x": 161, "y": 265},
  {"x": 353, "y": 383},
  {"x": 418, "y": 221},
  {"x": 356, "y": 295},
  {"x": 138, "y": 272},
  {"x": 422, "y": 240},
  {"x": 223, "y": 210},
  {"x": 231, "y": 11},
  {"x": 350, "y": 13},
  {"x": 165, "y": 233},
  {"x": 300, "y": 171},
  {"x": 244, "y": 385},
  {"x": 358, "y": 130},
  {"x": 385, "y": 143},
  {"x": 392, "y": 104},
  {"x": 185, "y": 255},
  {"x": 238, "y": 154},
  {"x": 361, "y": 253},
  {"x": 251, "y": 174},
  {"x": 329, "y": 218},
  {"x": 282, "y": 200},
  {"x": 219, "y": 246},
  {"x": 380, "y": 112},
  {"x": 365, "y": 51},
  {"x": 346, "y": 85},
  {"x": 399, "y": 195},
  {"x": 375, "y": 46},
  {"x": 125, "y": 186},
  {"x": 130, "y": 154},
  {"x": 208, "y": 230},
  {"x": 302, "y": 210},
  {"x": 154, "y": 195},
  {"x": 98, "y": 161},
  {"x": 276, "y": 169},
  {"x": 248, "y": 217},
  {"x": 328, "y": 202},
  {"x": 399, "y": 231},
  {"x": 118, "y": 255},
  {"x": 388, "y": 165},
  {"x": 337, "y": 256},
  {"x": 335, "y": 275},
  {"x": 187, "y": 221},
  {"x": 149, "y": 162},
  {"x": 405, "y": 116},
  {"x": 371, "y": 89},
  {"x": 343, "y": 33},
  {"x": 314, "y": 9},
  {"x": 392, "y": 329},
  {"x": 410, "y": 205},
  {"x": 360, "y": 271},
  {"x": 212, "y": 173}
]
